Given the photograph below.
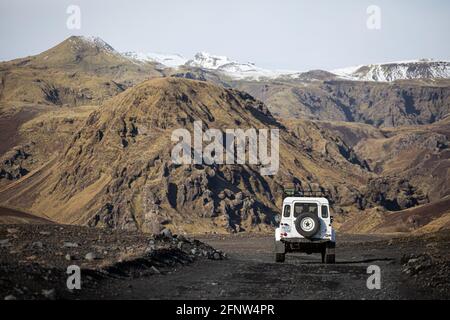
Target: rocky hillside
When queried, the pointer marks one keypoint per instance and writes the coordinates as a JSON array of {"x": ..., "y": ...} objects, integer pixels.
[
  {"x": 372, "y": 147},
  {"x": 378, "y": 104},
  {"x": 77, "y": 71},
  {"x": 117, "y": 172},
  {"x": 407, "y": 160},
  {"x": 87, "y": 71}
]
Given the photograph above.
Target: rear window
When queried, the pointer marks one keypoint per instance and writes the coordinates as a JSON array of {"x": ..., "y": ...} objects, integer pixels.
[
  {"x": 300, "y": 208},
  {"x": 324, "y": 212},
  {"x": 287, "y": 211}
]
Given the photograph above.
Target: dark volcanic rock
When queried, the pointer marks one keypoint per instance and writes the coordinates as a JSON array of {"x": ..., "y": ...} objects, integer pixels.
[{"x": 30, "y": 271}]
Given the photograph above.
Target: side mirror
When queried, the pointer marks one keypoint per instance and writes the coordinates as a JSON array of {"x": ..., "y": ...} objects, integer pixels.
[{"x": 331, "y": 219}]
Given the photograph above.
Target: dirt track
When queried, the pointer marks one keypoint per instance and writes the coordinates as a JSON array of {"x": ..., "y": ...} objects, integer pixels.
[
  {"x": 33, "y": 262},
  {"x": 10, "y": 125},
  {"x": 9, "y": 215},
  {"x": 250, "y": 273}
]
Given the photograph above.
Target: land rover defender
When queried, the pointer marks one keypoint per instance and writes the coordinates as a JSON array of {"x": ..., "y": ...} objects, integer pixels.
[{"x": 305, "y": 226}]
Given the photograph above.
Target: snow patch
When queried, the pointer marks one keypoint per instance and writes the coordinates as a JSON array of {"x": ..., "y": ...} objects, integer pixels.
[
  {"x": 401, "y": 70},
  {"x": 97, "y": 42},
  {"x": 168, "y": 60},
  {"x": 381, "y": 72},
  {"x": 233, "y": 69}
]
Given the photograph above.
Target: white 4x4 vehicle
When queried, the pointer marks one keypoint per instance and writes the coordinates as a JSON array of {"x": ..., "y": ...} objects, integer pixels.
[{"x": 305, "y": 226}]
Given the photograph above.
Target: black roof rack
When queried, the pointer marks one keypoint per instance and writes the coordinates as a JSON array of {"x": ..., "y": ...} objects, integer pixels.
[{"x": 304, "y": 193}]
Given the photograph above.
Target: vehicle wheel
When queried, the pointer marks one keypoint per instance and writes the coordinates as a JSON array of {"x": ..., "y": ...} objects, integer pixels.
[
  {"x": 307, "y": 224},
  {"x": 330, "y": 259},
  {"x": 328, "y": 256},
  {"x": 280, "y": 251},
  {"x": 280, "y": 257}
]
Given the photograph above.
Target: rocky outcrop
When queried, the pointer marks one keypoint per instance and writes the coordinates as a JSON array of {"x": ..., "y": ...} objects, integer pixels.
[
  {"x": 394, "y": 194},
  {"x": 13, "y": 164},
  {"x": 378, "y": 104},
  {"x": 44, "y": 252}
]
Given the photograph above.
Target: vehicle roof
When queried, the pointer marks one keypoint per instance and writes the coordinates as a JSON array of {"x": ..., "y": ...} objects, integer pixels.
[{"x": 290, "y": 200}]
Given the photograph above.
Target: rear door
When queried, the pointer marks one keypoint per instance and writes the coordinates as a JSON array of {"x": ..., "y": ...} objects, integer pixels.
[
  {"x": 325, "y": 217},
  {"x": 301, "y": 207}
]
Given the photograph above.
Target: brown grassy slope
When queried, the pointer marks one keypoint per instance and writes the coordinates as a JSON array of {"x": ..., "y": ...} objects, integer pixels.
[
  {"x": 427, "y": 218},
  {"x": 416, "y": 154},
  {"x": 117, "y": 172},
  {"x": 34, "y": 135},
  {"x": 10, "y": 122},
  {"x": 381, "y": 104},
  {"x": 352, "y": 133},
  {"x": 49, "y": 132},
  {"x": 74, "y": 72},
  {"x": 13, "y": 216},
  {"x": 419, "y": 154}
]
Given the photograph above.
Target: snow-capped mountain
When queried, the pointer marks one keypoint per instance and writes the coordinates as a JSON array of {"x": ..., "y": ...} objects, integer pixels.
[
  {"x": 97, "y": 43},
  {"x": 168, "y": 60},
  {"x": 234, "y": 69},
  {"x": 383, "y": 72},
  {"x": 204, "y": 60},
  {"x": 208, "y": 61},
  {"x": 403, "y": 70}
]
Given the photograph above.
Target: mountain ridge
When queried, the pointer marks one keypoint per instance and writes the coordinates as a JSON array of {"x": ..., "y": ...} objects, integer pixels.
[
  {"x": 379, "y": 72},
  {"x": 72, "y": 190},
  {"x": 116, "y": 170},
  {"x": 400, "y": 70}
]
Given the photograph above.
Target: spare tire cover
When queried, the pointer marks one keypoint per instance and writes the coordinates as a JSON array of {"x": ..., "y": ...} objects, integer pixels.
[{"x": 307, "y": 224}]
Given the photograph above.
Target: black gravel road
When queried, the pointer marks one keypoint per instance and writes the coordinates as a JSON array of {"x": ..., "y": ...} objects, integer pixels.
[
  {"x": 411, "y": 268},
  {"x": 131, "y": 265}
]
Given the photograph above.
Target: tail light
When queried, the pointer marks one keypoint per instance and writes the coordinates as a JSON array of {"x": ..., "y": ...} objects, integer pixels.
[{"x": 285, "y": 229}]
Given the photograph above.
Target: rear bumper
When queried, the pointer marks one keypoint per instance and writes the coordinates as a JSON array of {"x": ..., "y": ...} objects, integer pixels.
[
  {"x": 303, "y": 245},
  {"x": 303, "y": 240},
  {"x": 306, "y": 245}
]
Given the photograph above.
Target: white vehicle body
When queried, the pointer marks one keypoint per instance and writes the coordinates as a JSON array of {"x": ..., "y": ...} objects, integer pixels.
[
  {"x": 287, "y": 225},
  {"x": 305, "y": 226}
]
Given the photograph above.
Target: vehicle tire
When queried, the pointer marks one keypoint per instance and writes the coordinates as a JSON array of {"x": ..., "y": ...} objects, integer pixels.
[
  {"x": 329, "y": 257},
  {"x": 280, "y": 257},
  {"x": 307, "y": 224}
]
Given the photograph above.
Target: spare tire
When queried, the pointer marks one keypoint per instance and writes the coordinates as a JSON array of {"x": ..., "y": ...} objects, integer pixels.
[{"x": 307, "y": 224}]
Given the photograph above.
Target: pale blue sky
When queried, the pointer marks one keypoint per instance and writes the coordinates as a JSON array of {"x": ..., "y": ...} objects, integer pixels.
[{"x": 281, "y": 34}]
